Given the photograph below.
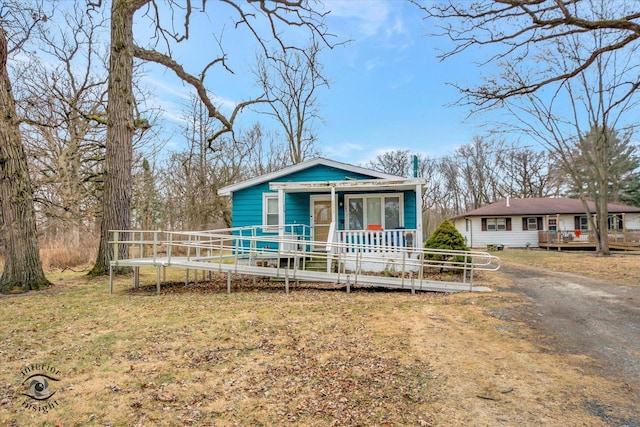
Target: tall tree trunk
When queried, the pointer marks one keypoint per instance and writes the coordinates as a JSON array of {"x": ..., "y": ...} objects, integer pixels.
[
  {"x": 116, "y": 202},
  {"x": 23, "y": 268}
]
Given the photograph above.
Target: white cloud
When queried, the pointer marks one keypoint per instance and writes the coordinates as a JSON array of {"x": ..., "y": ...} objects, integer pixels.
[
  {"x": 342, "y": 150},
  {"x": 368, "y": 17}
]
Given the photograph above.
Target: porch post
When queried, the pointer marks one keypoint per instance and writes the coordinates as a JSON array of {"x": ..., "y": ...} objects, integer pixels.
[
  {"x": 333, "y": 204},
  {"x": 419, "y": 237},
  {"x": 281, "y": 211}
]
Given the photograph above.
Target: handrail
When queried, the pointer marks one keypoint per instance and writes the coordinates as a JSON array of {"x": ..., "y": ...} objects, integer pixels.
[{"x": 223, "y": 241}]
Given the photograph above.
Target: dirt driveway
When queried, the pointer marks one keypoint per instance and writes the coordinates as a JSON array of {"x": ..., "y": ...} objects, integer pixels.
[{"x": 581, "y": 315}]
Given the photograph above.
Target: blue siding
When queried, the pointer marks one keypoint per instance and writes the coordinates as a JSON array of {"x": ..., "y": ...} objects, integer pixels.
[
  {"x": 410, "y": 209},
  {"x": 247, "y": 203}
]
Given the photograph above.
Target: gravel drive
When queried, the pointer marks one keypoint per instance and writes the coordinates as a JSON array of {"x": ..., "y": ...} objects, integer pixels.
[{"x": 586, "y": 316}]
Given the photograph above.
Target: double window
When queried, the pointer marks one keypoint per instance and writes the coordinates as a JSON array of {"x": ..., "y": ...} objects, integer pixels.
[
  {"x": 496, "y": 224},
  {"x": 376, "y": 211}
]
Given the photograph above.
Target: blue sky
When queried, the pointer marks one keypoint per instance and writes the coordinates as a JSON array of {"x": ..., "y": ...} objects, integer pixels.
[{"x": 388, "y": 90}]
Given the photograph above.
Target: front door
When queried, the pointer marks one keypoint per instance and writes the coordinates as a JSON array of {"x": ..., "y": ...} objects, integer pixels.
[{"x": 320, "y": 219}]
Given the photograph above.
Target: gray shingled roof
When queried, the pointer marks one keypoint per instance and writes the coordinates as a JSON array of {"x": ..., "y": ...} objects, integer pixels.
[{"x": 543, "y": 206}]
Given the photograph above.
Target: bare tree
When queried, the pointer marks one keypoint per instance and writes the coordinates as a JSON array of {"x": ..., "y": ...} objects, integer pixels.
[
  {"x": 518, "y": 32},
  {"x": 193, "y": 175},
  {"x": 275, "y": 17},
  {"x": 395, "y": 162},
  {"x": 265, "y": 152},
  {"x": 291, "y": 85},
  {"x": 565, "y": 67},
  {"x": 62, "y": 100},
  {"x": 478, "y": 168},
  {"x": 147, "y": 207},
  {"x": 528, "y": 173},
  {"x": 23, "y": 267}
]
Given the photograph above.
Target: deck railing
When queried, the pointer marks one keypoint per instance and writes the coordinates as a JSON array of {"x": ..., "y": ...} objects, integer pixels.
[
  {"x": 376, "y": 241},
  {"x": 584, "y": 236}
]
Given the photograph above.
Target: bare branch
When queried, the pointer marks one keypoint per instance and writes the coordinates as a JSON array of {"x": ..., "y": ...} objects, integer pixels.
[{"x": 521, "y": 29}]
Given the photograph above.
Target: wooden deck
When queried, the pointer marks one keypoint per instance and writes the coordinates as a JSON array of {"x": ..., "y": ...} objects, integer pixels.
[
  {"x": 224, "y": 252},
  {"x": 623, "y": 240}
]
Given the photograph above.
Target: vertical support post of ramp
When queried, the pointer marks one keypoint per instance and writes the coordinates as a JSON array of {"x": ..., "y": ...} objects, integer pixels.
[
  {"x": 115, "y": 247},
  {"x": 158, "y": 280},
  {"x": 348, "y": 284},
  {"x": 404, "y": 265},
  {"x": 355, "y": 280},
  {"x": 413, "y": 286},
  {"x": 286, "y": 280},
  {"x": 136, "y": 277},
  {"x": 164, "y": 273},
  {"x": 228, "y": 282},
  {"x": 471, "y": 277},
  {"x": 110, "y": 279},
  {"x": 464, "y": 269}
]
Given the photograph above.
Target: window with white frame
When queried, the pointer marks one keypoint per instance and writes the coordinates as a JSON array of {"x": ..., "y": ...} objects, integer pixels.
[
  {"x": 582, "y": 222},
  {"x": 531, "y": 223},
  {"x": 374, "y": 210},
  {"x": 615, "y": 222},
  {"x": 552, "y": 224},
  {"x": 496, "y": 224},
  {"x": 270, "y": 210}
]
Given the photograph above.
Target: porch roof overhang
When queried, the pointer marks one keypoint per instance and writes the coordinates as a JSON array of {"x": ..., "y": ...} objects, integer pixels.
[{"x": 348, "y": 185}]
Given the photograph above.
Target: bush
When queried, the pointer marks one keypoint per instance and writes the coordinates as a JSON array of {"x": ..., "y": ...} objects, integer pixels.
[{"x": 446, "y": 237}]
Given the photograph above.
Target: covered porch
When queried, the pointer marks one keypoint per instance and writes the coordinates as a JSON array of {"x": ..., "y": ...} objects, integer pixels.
[{"x": 377, "y": 216}]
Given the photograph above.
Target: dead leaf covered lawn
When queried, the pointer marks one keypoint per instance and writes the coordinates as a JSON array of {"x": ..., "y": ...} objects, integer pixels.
[{"x": 197, "y": 356}]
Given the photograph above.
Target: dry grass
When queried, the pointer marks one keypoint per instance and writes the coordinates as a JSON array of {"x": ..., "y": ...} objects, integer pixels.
[
  {"x": 55, "y": 255},
  {"x": 198, "y": 356},
  {"x": 621, "y": 268}
]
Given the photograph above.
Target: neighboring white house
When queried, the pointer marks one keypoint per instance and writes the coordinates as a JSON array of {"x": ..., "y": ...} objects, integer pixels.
[{"x": 534, "y": 222}]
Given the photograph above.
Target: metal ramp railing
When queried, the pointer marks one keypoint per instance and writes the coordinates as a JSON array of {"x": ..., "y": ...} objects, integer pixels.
[{"x": 289, "y": 257}]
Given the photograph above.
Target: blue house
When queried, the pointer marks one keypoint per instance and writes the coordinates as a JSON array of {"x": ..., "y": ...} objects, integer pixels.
[{"x": 327, "y": 203}]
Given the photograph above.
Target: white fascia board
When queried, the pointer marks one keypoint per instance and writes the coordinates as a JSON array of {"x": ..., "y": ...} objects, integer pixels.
[{"x": 354, "y": 184}]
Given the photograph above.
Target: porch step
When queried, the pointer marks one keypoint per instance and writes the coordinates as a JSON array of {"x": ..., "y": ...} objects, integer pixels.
[{"x": 315, "y": 265}]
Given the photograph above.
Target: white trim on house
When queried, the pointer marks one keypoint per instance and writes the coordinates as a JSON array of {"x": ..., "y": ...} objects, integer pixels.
[
  {"x": 228, "y": 190},
  {"x": 395, "y": 184},
  {"x": 270, "y": 228},
  {"x": 364, "y": 197}
]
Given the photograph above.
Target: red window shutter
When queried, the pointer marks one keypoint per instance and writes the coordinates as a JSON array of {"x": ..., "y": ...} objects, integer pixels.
[
  {"x": 508, "y": 224},
  {"x": 484, "y": 224},
  {"x": 525, "y": 224}
]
